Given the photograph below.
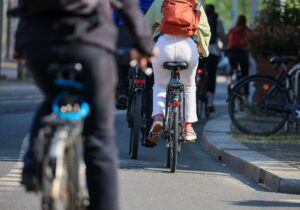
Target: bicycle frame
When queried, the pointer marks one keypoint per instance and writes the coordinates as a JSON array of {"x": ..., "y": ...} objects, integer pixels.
[
  {"x": 285, "y": 82},
  {"x": 137, "y": 81},
  {"x": 64, "y": 141},
  {"x": 175, "y": 97}
]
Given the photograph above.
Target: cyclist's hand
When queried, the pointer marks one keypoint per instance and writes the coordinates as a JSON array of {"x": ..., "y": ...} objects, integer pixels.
[
  {"x": 18, "y": 57},
  {"x": 141, "y": 59}
]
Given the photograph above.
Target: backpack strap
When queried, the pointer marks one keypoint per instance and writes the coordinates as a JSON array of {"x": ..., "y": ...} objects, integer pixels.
[{"x": 199, "y": 4}]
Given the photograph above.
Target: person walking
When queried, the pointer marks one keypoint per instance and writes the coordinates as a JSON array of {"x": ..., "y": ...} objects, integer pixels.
[
  {"x": 218, "y": 36},
  {"x": 238, "y": 53},
  {"x": 175, "y": 48},
  {"x": 80, "y": 31}
]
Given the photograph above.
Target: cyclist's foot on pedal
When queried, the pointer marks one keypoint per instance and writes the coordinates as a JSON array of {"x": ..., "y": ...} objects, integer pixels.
[
  {"x": 210, "y": 100},
  {"x": 190, "y": 134},
  {"x": 121, "y": 101},
  {"x": 29, "y": 177},
  {"x": 155, "y": 131},
  {"x": 211, "y": 109}
]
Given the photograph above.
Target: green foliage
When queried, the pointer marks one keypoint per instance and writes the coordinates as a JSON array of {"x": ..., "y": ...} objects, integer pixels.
[
  {"x": 275, "y": 138},
  {"x": 277, "y": 29},
  {"x": 223, "y": 8}
]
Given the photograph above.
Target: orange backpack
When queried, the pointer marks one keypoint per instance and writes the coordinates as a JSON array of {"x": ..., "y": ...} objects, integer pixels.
[{"x": 180, "y": 17}]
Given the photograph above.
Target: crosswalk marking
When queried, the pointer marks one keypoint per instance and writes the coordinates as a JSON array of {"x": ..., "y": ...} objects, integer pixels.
[{"x": 13, "y": 178}]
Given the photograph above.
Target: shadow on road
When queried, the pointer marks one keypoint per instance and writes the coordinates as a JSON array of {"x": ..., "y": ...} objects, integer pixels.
[{"x": 262, "y": 203}]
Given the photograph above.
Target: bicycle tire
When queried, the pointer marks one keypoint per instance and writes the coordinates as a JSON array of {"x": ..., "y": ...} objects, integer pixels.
[
  {"x": 47, "y": 202},
  {"x": 71, "y": 170},
  {"x": 257, "y": 105},
  {"x": 173, "y": 139},
  {"x": 136, "y": 124},
  {"x": 66, "y": 196}
]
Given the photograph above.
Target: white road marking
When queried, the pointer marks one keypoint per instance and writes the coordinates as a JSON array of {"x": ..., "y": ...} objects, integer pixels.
[{"x": 13, "y": 178}]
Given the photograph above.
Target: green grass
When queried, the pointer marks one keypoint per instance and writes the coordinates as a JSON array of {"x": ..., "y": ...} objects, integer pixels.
[{"x": 275, "y": 138}]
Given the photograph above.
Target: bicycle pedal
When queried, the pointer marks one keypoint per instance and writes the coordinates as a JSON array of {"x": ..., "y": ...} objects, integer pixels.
[{"x": 121, "y": 106}]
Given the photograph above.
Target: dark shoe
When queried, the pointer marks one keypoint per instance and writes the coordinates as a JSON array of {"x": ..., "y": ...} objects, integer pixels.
[
  {"x": 149, "y": 144},
  {"x": 122, "y": 102},
  {"x": 211, "y": 109},
  {"x": 30, "y": 178}
]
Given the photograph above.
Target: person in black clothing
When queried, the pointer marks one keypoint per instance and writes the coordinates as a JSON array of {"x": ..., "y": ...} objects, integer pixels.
[
  {"x": 46, "y": 36},
  {"x": 211, "y": 62},
  {"x": 125, "y": 40}
]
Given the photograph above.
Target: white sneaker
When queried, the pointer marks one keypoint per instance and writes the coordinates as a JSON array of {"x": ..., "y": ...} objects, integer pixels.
[{"x": 190, "y": 134}]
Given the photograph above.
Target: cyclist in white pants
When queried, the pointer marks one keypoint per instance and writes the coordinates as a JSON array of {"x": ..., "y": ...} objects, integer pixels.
[{"x": 175, "y": 48}]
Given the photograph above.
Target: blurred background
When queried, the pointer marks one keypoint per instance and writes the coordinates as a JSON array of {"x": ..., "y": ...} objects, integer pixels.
[{"x": 228, "y": 11}]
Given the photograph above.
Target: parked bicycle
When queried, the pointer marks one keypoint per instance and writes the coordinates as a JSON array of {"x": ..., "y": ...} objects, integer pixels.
[
  {"x": 261, "y": 105},
  {"x": 136, "y": 112},
  {"x": 63, "y": 183},
  {"x": 175, "y": 112},
  {"x": 201, "y": 93}
]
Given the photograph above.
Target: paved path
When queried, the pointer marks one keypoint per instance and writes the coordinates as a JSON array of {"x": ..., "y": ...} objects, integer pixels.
[{"x": 274, "y": 174}]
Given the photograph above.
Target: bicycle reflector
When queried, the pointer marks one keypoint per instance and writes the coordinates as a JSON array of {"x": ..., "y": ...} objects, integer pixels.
[
  {"x": 175, "y": 104},
  {"x": 200, "y": 71},
  {"x": 266, "y": 86},
  {"x": 139, "y": 81}
]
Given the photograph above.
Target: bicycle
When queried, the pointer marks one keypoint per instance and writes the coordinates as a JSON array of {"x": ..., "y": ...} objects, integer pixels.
[
  {"x": 201, "y": 93},
  {"x": 136, "y": 112},
  {"x": 62, "y": 173},
  {"x": 175, "y": 112},
  {"x": 261, "y": 105}
]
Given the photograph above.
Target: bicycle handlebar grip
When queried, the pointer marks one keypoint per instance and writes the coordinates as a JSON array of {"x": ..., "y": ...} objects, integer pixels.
[{"x": 148, "y": 71}]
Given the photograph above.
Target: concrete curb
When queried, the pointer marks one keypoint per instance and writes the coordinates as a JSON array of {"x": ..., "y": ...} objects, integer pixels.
[
  {"x": 275, "y": 175},
  {"x": 9, "y": 65}
]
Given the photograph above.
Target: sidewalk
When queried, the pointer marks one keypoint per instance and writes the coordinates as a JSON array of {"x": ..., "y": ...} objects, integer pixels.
[{"x": 272, "y": 173}]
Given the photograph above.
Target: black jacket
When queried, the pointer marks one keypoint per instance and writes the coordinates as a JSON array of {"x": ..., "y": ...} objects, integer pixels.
[{"x": 37, "y": 29}]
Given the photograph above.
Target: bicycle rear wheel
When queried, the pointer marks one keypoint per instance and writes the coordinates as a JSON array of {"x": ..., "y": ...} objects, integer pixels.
[
  {"x": 173, "y": 139},
  {"x": 257, "y": 105},
  {"x": 136, "y": 111}
]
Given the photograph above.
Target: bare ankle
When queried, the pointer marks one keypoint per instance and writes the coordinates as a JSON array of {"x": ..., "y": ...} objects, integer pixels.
[{"x": 158, "y": 117}]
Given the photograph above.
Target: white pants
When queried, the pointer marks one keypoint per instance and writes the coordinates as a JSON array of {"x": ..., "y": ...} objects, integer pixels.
[{"x": 175, "y": 48}]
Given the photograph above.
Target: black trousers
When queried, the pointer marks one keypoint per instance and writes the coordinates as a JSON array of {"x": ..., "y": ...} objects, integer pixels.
[
  {"x": 99, "y": 80},
  {"x": 239, "y": 57},
  {"x": 126, "y": 41},
  {"x": 211, "y": 63}
]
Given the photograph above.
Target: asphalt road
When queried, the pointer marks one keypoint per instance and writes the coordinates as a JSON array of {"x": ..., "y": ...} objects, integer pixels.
[{"x": 199, "y": 183}]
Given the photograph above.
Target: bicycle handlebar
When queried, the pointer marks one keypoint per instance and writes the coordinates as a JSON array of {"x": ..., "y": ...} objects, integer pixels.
[{"x": 123, "y": 56}]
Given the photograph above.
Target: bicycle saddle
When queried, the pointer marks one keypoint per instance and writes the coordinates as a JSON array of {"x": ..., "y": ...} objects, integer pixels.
[
  {"x": 66, "y": 74},
  {"x": 281, "y": 59},
  {"x": 64, "y": 68},
  {"x": 175, "y": 65}
]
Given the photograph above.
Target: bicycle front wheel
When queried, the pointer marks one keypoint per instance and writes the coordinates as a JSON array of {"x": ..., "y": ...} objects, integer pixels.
[
  {"x": 136, "y": 109},
  {"x": 60, "y": 189},
  {"x": 257, "y": 105}
]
